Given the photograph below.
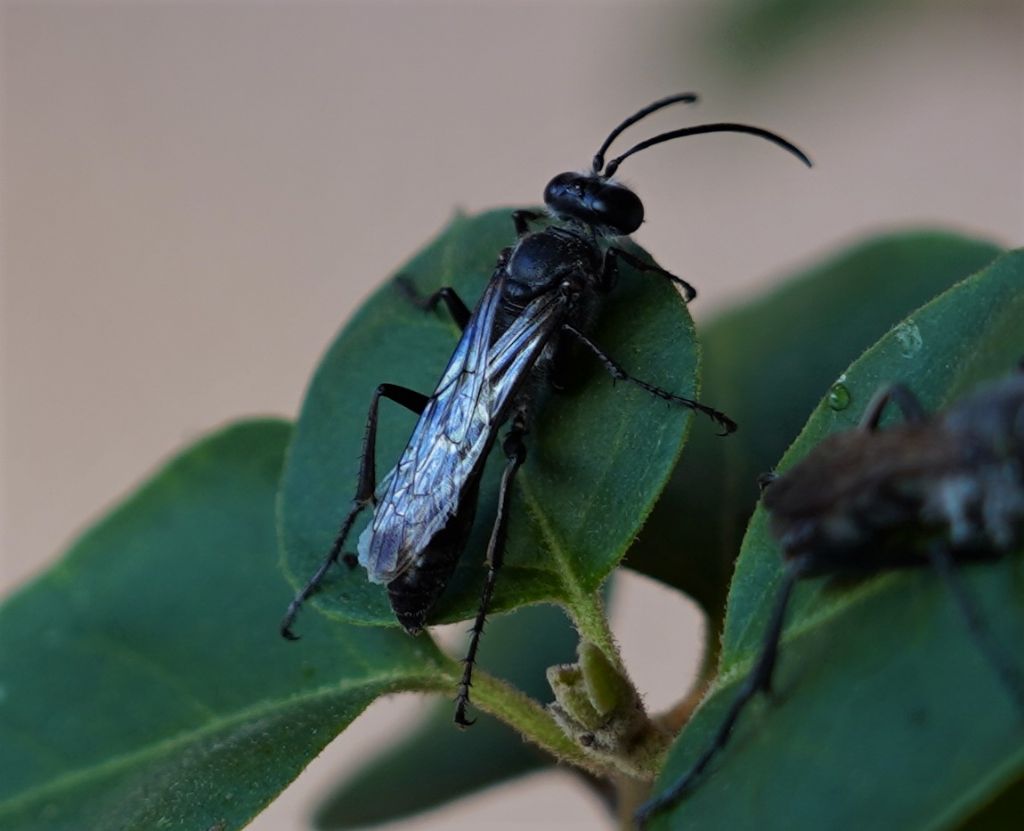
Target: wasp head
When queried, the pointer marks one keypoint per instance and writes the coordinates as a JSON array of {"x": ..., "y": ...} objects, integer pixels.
[{"x": 595, "y": 201}]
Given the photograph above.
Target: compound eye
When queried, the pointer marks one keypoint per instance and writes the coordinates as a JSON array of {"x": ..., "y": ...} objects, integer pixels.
[
  {"x": 564, "y": 194},
  {"x": 619, "y": 208}
]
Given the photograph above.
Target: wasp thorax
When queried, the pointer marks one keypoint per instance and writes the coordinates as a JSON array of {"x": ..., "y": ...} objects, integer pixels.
[
  {"x": 595, "y": 201},
  {"x": 544, "y": 260}
]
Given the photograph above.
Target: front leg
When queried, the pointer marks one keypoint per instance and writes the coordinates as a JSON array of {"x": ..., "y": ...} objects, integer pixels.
[
  {"x": 522, "y": 220},
  {"x": 456, "y": 308},
  {"x": 609, "y": 271},
  {"x": 619, "y": 374}
]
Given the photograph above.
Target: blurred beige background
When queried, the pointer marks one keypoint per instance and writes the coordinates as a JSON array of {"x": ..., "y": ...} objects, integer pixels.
[{"x": 195, "y": 196}]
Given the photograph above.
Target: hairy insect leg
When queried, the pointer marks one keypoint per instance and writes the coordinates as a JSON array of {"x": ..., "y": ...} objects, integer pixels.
[
  {"x": 619, "y": 374},
  {"x": 759, "y": 680},
  {"x": 609, "y": 269},
  {"x": 366, "y": 485},
  {"x": 896, "y": 394},
  {"x": 1000, "y": 661},
  {"x": 456, "y": 308},
  {"x": 314, "y": 582},
  {"x": 515, "y": 452}
]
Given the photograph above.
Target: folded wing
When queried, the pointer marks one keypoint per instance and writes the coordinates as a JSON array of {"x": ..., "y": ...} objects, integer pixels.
[{"x": 450, "y": 441}]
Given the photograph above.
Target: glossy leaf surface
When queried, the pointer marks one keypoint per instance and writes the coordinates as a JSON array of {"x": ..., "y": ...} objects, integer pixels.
[{"x": 144, "y": 683}]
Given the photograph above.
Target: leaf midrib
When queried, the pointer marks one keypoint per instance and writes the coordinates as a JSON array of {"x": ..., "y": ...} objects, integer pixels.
[{"x": 393, "y": 682}]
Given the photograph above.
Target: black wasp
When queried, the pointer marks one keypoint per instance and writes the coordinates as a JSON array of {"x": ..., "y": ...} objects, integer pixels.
[
  {"x": 928, "y": 491},
  {"x": 544, "y": 295}
]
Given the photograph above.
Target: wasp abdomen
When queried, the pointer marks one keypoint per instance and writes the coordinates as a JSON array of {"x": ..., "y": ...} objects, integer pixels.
[{"x": 414, "y": 592}]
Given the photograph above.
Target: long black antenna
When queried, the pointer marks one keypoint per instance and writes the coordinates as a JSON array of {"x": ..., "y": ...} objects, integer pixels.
[
  {"x": 683, "y": 97},
  {"x": 721, "y": 127}
]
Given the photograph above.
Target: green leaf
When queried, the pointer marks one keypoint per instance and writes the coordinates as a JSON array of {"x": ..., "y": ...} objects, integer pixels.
[
  {"x": 598, "y": 456},
  {"x": 519, "y": 647},
  {"x": 766, "y": 364},
  {"x": 144, "y": 684},
  {"x": 885, "y": 715}
]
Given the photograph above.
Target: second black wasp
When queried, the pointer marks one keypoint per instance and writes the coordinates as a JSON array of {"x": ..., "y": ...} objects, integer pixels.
[
  {"x": 938, "y": 490},
  {"x": 543, "y": 298}
]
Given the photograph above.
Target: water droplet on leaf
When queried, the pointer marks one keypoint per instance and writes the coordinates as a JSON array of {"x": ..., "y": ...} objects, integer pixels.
[{"x": 839, "y": 397}]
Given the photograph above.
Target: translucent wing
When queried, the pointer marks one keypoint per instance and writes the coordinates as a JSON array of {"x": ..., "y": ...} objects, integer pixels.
[
  {"x": 456, "y": 429},
  {"x": 515, "y": 353}
]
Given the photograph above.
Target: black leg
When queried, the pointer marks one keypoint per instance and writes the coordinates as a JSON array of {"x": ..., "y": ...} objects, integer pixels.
[
  {"x": 522, "y": 220},
  {"x": 515, "y": 452},
  {"x": 609, "y": 269},
  {"x": 413, "y": 401},
  {"x": 759, "y": 680},
  {"x": 1000, "y": 661},
  {"x": 619, "y": 374},
  {"x": 560, "y": 374},
  {"x": 898, "y": 395},
  {"x": 456, "y": 308},
  {"x": 366, "y": 485}
]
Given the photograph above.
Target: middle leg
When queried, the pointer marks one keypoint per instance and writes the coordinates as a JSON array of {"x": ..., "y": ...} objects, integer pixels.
[{"x": 515, "y": 452}]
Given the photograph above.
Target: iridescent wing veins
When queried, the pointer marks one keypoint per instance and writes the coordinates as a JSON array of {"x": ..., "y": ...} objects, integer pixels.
[{"x": 455, "y": 430}]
